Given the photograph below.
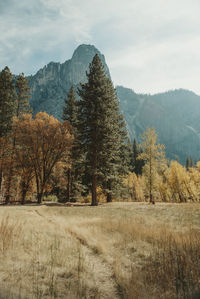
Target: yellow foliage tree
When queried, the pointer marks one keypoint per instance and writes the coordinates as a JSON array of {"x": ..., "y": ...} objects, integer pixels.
[
  {"x": 154, "y": 157},
  {"x": 180, "y": 183}
]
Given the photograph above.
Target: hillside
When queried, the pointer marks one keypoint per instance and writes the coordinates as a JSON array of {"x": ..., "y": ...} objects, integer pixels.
[{"x": 174, "y": 114}]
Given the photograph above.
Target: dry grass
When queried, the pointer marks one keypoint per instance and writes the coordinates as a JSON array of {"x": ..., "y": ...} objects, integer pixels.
[{"x": 120, "y": 250}]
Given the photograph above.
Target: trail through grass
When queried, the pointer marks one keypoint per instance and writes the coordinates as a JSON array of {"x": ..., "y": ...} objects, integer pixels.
[{"x": 119, "y": 250}]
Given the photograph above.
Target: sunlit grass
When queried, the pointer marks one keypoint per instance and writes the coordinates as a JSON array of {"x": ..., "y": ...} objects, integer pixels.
[{"x": 120, "y": 250}]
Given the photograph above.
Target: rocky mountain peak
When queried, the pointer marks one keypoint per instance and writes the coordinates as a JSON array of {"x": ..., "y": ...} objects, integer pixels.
[
  {"x": 80, "y": 61},
  {"x": 49, "y": 86},
  {"x": 85, "y": 51}
]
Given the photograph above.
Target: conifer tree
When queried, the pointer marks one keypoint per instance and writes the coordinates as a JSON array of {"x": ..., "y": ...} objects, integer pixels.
[
  {"x": 101, "y": 128},
  {"x": 134, "y": 156},
  {"x": 137, "y": 164},
  {"x": 189, "y": 163},
  {"x": 7, "y": 101},
  {"x": 23, "y": 95},
  {"x": 74, "y": 172},
  {"x": 121, "y": 165},
  {"x": 7, "y": 110}
]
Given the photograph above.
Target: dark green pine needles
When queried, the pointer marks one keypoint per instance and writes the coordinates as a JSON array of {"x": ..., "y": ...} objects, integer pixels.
[
  {"x": 23, "y": 95},
  {"x": 75, "y": 171},
  {"x": 7, "y": 101},
  {"x": 14, "y": 99},
  {"x": 102, "y": 131}
]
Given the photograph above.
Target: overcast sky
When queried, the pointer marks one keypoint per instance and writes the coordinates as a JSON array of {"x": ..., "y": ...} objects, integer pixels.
[{"x": 149, "y": 45}]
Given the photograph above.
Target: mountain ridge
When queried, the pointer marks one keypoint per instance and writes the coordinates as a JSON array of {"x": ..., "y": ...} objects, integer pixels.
[{"x": 175, "y": 114}]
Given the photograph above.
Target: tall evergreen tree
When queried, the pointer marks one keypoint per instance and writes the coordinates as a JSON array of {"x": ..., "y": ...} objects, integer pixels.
[
  {"x": 75, "y": 171},
  {"x": 120, "y": 165},
  {"x": 23, "y": 95},
  {"x": 101, "y": 128},
  {"x": 137, "y": 164},
  {"x": 189, "y": 163},
  {"x": 7, "y": 110},
  {"x": 7, "y": 101},
  {"x": 135, "y": 155}
]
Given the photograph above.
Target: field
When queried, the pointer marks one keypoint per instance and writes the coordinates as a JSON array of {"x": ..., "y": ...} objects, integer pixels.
[{"x": 117, "y": 250}]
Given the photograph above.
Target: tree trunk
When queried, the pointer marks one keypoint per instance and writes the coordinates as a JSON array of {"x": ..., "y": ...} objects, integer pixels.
[
  {"x": 9, "y": 184},
  {"x": 151, "y": 198},
  {"x": 94, "y": 191},
  {"x": 23, "y": 196},
  {"x": 39, "y": 197},
  {"x": 9, "y": 181},
  {"x": 10, "y": 175},
  {"x": 150, "y": 180},
  {"x": 68, "y": 185},
  {"x": 38, "y": 189},
  {"x": 109, "y": 195},
  {"x": 1, "y": 179},
  {"x": 7, "y": 199},
  {"x": 24, "y": 189}
]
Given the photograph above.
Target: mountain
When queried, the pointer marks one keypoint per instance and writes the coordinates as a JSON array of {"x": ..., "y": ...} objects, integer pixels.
[
  {"x": 49, "y": 86},
  {"x": 174, "y": 114}
]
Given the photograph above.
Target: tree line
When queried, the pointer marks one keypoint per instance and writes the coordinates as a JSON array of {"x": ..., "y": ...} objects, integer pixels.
[
  {"x": 88, "y": 154},
  {"x": 89, "y": 146}
]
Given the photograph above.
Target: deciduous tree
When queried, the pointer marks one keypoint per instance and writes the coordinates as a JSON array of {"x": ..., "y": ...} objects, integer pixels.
[
  {"x": 47, "y": 141},
  {"x": 153, "y": 155}
]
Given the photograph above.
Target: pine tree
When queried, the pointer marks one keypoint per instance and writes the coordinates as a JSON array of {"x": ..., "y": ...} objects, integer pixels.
[
  {"x": 7, "y": 101},
  {"x": 75, "y": 171},
  {"x": 23, "y": 95},
  {"x": 137, "y": 164},
  {"x": 189, "y": 163},
  {"x": 7, "y": 110},
  {"x": 135, "y": 155},
  {"x": 121, "y": 163},
  {"x": 101, "y": 128}
]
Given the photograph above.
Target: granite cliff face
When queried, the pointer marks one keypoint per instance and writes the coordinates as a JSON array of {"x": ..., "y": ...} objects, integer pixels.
[
  {"x": 49, "y": 86},
  {"x": 174, "y": 114}
]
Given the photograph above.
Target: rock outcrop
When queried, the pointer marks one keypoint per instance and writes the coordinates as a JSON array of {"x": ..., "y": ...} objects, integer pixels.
[{"x": 49, "y": 86}]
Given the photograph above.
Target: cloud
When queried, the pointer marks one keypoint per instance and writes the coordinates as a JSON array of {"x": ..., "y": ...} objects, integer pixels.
[
  {"x": 43, "y": 27},
  {"x": 149, "y": 45}
]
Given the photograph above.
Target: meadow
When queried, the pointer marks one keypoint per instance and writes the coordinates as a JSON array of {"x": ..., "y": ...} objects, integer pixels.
[{"x": 116, "y": 250}]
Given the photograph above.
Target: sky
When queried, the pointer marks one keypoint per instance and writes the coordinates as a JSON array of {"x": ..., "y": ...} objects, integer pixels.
[{"x": 150, "y": 46}]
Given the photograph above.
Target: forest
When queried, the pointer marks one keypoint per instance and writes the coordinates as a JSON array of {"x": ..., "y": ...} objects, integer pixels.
[{"x": 86, "y": 157}]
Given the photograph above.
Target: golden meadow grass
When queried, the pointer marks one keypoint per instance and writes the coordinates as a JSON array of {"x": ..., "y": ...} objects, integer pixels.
[{"x": 118, "y": 250}]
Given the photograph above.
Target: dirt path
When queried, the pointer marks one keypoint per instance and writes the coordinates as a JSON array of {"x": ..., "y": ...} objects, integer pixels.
[{"x": 94, "y": 262}]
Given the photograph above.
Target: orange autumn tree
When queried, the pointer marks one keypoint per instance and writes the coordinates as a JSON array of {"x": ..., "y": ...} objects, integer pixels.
[
  {"x": 47, "y": 141},
  {"x": 4, "y": 161},
  {"x": 24, "y": 169}
]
